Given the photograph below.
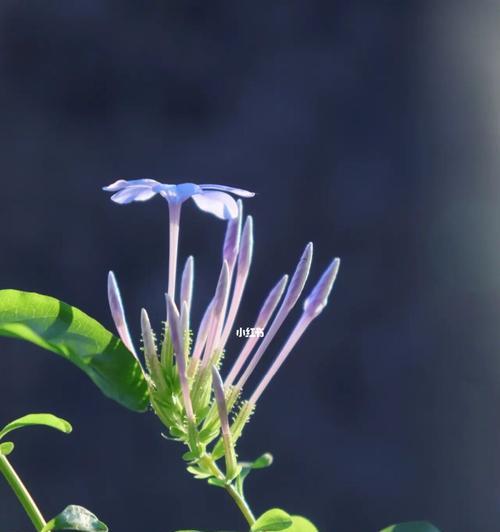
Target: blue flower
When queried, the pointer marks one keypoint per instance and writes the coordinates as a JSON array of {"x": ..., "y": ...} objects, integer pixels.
[{"x": 210, "y": 198}]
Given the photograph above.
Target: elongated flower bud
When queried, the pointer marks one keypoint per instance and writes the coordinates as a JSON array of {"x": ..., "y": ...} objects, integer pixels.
[
  {"x": 244, "y": 262},
  {"x": 313, "y": 306},
  {"x": 150, "y": 354},
  {"x": 246, "y": 248},
  {"x": 220, "y": 400},
  {"x": 292, "y": 295},
  {"x": 118, "y": 313},
  {"x": 299, "y": 278},
  {"x": 232, "y": 238},
  {"x": 178, "y": 343},
  {"x": 201, "y": 338},
  {"x": 219, "y": 301},
  {"x": 147, "y": 336},
  {"x": 263, "y": 318},
  {"x": 187, "y": 283},
  {"x": 184, "y": 322},
  {"x": 318, "y": 298}
]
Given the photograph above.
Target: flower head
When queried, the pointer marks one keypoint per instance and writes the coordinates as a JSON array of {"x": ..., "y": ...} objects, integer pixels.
[
  {"x": 214, "y": 199},
  {"x": 186, "y": 389}
]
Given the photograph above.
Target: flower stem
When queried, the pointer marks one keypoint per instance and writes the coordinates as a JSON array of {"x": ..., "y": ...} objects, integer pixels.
[
  {"x": 236, "y": 495},
  {"x": 241, "y": 503},
  {"x": 174, "y": 209},
  {"x": 22, "y": 493}
]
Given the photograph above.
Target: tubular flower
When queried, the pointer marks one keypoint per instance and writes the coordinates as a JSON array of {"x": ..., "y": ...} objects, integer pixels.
[
  {"x": 210, "y": 198},
  {"x": 214, "y": 199},
  {"x": 186, "y": 389}
]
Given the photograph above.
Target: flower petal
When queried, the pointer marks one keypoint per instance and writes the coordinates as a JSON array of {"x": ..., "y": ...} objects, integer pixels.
[
  {"x": 219, "y": 204},
  {"x": 122, "y": 183},
  {"x": 177, "y": 193},
  {"x": 133, "y": 193},
  {"x": 238, "y": 191}
]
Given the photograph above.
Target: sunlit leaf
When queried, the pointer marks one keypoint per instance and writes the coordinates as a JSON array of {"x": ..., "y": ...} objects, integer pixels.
[
  {"x": 6, "y": 448},
  {"x": 412, "y": 526},
  {"x": 72, "y": 334},
  {"x": 76, "y": 518},
  {"x": 272, "y": 520},
  {"x": 47, "y": 420},
  {"x": 301, "y": 524}
]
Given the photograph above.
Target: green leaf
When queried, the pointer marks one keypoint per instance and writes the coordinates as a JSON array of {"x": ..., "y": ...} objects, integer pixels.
[
  {"x": 272, "y": 520},
  {"x": 72, "y": 334},
  {"x": 76, "y": 518},
  {"x": 301, "y": 524},
  {"x": 6, "y": 448},
  {"x": 263, "y": 461},
  {"x": 412, "y": 526},
  {"x": 47, "y": 420}
]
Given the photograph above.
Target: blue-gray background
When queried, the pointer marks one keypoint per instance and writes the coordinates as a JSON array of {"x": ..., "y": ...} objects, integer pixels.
[{"x": 371, "y": 128}]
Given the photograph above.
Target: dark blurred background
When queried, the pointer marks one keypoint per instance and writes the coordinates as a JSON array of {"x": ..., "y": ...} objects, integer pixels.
[{"x": 371, "y": 128}]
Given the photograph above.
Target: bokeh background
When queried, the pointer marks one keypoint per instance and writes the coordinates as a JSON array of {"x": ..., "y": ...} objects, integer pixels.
[{"x": 371, "y": 128}]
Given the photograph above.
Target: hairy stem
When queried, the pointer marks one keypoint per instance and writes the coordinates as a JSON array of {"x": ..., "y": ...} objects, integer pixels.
[
  {"x": 22, "y": 493},
  {"x": 236, "y": 495}
]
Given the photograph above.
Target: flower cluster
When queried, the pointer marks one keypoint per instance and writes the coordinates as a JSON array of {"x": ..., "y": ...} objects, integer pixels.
[{"x": 183, "y": 370}]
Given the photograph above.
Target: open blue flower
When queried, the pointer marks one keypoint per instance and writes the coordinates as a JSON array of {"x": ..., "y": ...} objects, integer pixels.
[{"x": 210, "y": 198}]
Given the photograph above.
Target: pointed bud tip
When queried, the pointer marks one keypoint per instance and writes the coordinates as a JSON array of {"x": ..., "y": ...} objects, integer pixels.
[{"x": 318, "y": 298}]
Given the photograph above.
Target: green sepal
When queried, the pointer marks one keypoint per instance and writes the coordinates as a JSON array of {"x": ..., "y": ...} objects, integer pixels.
[
  {"x": 198, "y": 472},
  {"x": 6, "y": 448},
  {"x": 75, "y": 518},
  {"x": 237, "y": 427},
  {"x": 189, "y": 456},
  {"x": 217, "y": 482},
  {"x": 412, "y": 526},
  {"x": 272, "y": 520},
  {"x": 47, "y": 420},
  {"x": 72, "y": 334}
]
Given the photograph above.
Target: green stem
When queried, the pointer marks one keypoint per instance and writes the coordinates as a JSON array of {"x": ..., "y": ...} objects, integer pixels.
[
  {"x": 242, "y": 504},
  {"x": 22, "y": 493},
  {"x": 237, "y": 496}
]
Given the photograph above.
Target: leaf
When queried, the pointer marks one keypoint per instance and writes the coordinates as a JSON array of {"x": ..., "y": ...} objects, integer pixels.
[
  {"x": 412, "y": 526},
  {"x": 263, "y": 461},
  {"x": 301, "y": 524},
  {"x": 48, "y": 420},
  {"x": 72, "y": 334},
  {"x": 272, "y": 520},
  {"x": 6, "y": 448},
  {"x": 75, "y": 518}
]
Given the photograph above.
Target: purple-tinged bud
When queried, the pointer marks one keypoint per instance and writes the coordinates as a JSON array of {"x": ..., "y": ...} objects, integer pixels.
[
  {"x": 313, "y": 306},
  {"x": 220, "y": 400},
  {"x": 178, "y": 344},
  {"x": 244, "y": 262},
  {"x": 292, "y": 295},
  {"x": 147, "y": 335},
  {"x": 150, "y": 354},
  {"x": 246, "y": 247},
  {"x": 271, "y": 303},
  {"x": 184, "y": 320},
  {"x": 221, "y": 291},
  {"x": 118, "y": 313},
  {"x": 201, "y": 338},
  {"x": 263, "y": 318},
  {"x": 230, "y": 457},
  {"x": 299, "y": 278},
  {"x": 219, "y": 302},
  {"x": 232, "y": 238},
  {"x": 187, "y": 283},
  {"x": 318, "y": 298}
]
